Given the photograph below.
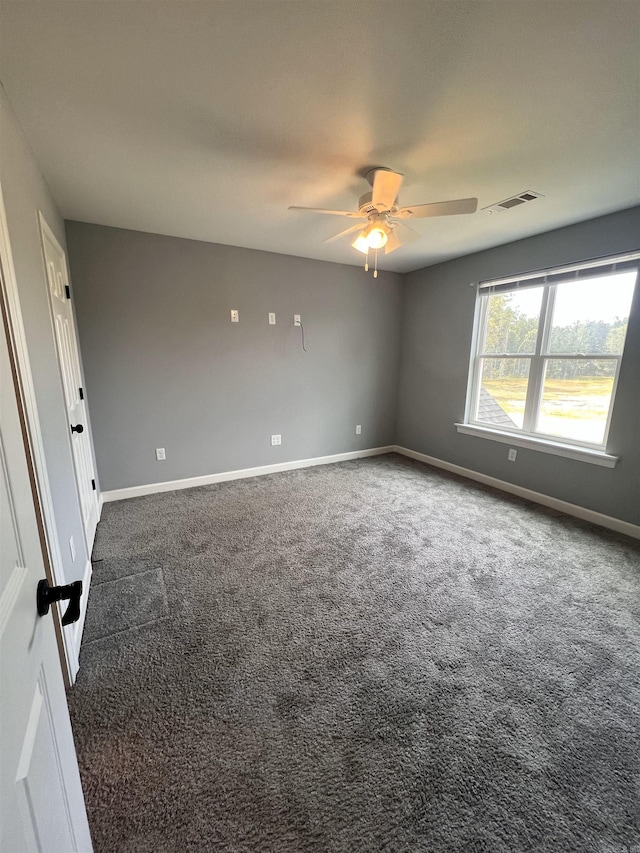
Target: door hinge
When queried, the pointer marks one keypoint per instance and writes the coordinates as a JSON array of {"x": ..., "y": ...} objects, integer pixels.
[
  {"x": 67, "y": 291},
  {"x": 93, "y": 485},
  {"x": 81, "y": 393}
]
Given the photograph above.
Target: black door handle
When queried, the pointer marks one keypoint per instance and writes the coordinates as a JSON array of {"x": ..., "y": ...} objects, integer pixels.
[
  {"x": 78, "y": 428},
  {"x": 47, "y": 594}
]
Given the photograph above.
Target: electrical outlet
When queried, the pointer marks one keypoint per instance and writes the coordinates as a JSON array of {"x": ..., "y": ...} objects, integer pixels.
[
  {"x": 160, "y": 454},
  {"x": 276, "y": 439},
  {"x": 235, "y": 315},
  {"x": 272, "y": 319},
  {"x": 296, "y": 320},
  {"x": 72, "y": 548},
  {"x": 358, "y": 429},
  {"x": 512, "y": 454}
]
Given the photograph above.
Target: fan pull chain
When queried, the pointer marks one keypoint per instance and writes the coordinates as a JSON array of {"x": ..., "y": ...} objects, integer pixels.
[
  {"x": 375, "y": 269},
  {"x": 366, "y": 261}
]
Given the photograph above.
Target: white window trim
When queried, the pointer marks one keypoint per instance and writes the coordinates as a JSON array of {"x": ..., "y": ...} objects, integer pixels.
[
  {"x": 582, "y": 451},
  {"x": 569, "y": 451}
]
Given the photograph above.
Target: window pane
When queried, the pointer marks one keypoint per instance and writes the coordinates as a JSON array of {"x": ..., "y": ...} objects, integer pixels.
[
  {"x": 590, "y": 316},
  {"x": 503, "y": 391},
  {"x": 575, "y": 398},
  {"x": 512, "y": 321}
]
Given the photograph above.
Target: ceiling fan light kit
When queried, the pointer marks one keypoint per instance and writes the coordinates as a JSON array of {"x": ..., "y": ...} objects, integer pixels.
[
  {"x": 385, "y": 228},
  {"x": 374, "y": 236}
]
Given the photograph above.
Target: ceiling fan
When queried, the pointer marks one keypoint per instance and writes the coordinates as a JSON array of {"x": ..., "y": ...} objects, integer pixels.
[{"x": 385, "y": 226}]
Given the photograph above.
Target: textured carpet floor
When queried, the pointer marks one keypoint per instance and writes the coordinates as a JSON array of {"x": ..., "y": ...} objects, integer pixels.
[{"x": 363, "y": 657}]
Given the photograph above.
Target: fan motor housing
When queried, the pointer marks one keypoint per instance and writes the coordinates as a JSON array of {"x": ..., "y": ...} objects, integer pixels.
[{"x": 366, "y": 206}]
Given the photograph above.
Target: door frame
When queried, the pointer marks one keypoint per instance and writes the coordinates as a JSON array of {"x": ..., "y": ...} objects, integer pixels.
[{"x": 68, "y": 648}]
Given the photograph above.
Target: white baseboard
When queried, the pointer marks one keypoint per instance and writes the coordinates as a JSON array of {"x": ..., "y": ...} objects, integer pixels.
[
  {"x": 585, "y": 514},
  {"x": 79, "y": 625},
  {"x": 100, "y": 505},
  {"x": 207, "y": 479}
]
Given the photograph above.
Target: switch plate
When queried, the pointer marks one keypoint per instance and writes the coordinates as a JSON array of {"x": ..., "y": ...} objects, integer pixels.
[
  {"x": 160, "y": 454},
  {"x": 358, "y": 429},
  {"x": 296, "y": 320},
  {"x": 276, "y": 439},
  {"x": 272, "y": 319},
  {"x": 512, "y": 454},
  {"x": 235, "y": 315},
  {"x": 72, "y": 548}
]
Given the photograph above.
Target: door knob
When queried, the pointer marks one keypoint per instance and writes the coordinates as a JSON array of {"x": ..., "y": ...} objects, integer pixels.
[
  {"x": 47, "y": 594},
  {"x": 78, "y": 428}
]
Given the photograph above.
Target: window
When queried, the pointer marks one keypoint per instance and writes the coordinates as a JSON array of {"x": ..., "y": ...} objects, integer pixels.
[{"x": 548, "y": 353}]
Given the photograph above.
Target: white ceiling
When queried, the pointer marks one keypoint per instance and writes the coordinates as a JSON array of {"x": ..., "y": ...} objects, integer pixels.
[{"x": 208, "y": 119}]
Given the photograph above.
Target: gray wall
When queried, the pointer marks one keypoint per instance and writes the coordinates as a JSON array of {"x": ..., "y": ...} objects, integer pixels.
[
  {"x": 436, "y": 342},
  {"x": 165, "y": 367},
  {"x": 25, "y": 193}
]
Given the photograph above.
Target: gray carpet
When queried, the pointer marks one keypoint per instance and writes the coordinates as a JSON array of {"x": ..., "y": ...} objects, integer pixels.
[{"x": 363, "y": 657}]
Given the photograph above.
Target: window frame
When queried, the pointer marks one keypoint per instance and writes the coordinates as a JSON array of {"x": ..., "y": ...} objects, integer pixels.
[{"x": 528, "y": 435}]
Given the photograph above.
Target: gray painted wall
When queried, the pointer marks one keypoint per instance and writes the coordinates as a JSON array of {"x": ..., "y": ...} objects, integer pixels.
[
  {"x": 436, "y": 342},
  {"x": 165, "y": 367},
  {"x": 25, "y": 193}
]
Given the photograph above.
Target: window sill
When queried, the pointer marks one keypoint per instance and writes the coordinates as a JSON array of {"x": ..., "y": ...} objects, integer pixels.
[{"x": 569, "y": 451}]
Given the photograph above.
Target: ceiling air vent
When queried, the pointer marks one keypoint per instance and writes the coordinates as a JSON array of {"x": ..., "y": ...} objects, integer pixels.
[{"x": 514, "y": 201}]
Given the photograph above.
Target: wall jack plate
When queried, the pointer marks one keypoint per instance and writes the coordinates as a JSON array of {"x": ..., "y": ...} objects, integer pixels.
[{"x": 296, "y": 320}]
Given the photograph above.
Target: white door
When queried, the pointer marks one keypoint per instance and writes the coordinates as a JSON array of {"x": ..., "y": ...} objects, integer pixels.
[
  {"x": 41, "y": 802},
  {"x": 68, "y": 358}
]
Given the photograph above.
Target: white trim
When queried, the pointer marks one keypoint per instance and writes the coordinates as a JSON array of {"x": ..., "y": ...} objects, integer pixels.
[
  {"x": 585, "y": 514},
  {"x": 19, "y": 342},
  {"x": 100, "y": 505},
  {"x": 582, "y": 454},
  {"x": 86, "y": 583},
  {"x": 241, "y": 474},
  {"x": 471, "y": 400}
]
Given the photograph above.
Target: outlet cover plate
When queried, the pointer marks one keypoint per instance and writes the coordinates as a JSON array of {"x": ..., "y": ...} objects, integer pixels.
[{"x": 276, "y": 439}]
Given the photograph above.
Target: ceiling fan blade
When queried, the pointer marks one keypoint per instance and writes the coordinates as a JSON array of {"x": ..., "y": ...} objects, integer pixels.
[
  {"x": 385, "y": 188},
  {"x": 406, "y": 234},
  {"x": 332, "y": 212},
  {"x": 393, "y": 243},
  {"x": 439, "y": 208},
  {"x": 344, "y": 233}
]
